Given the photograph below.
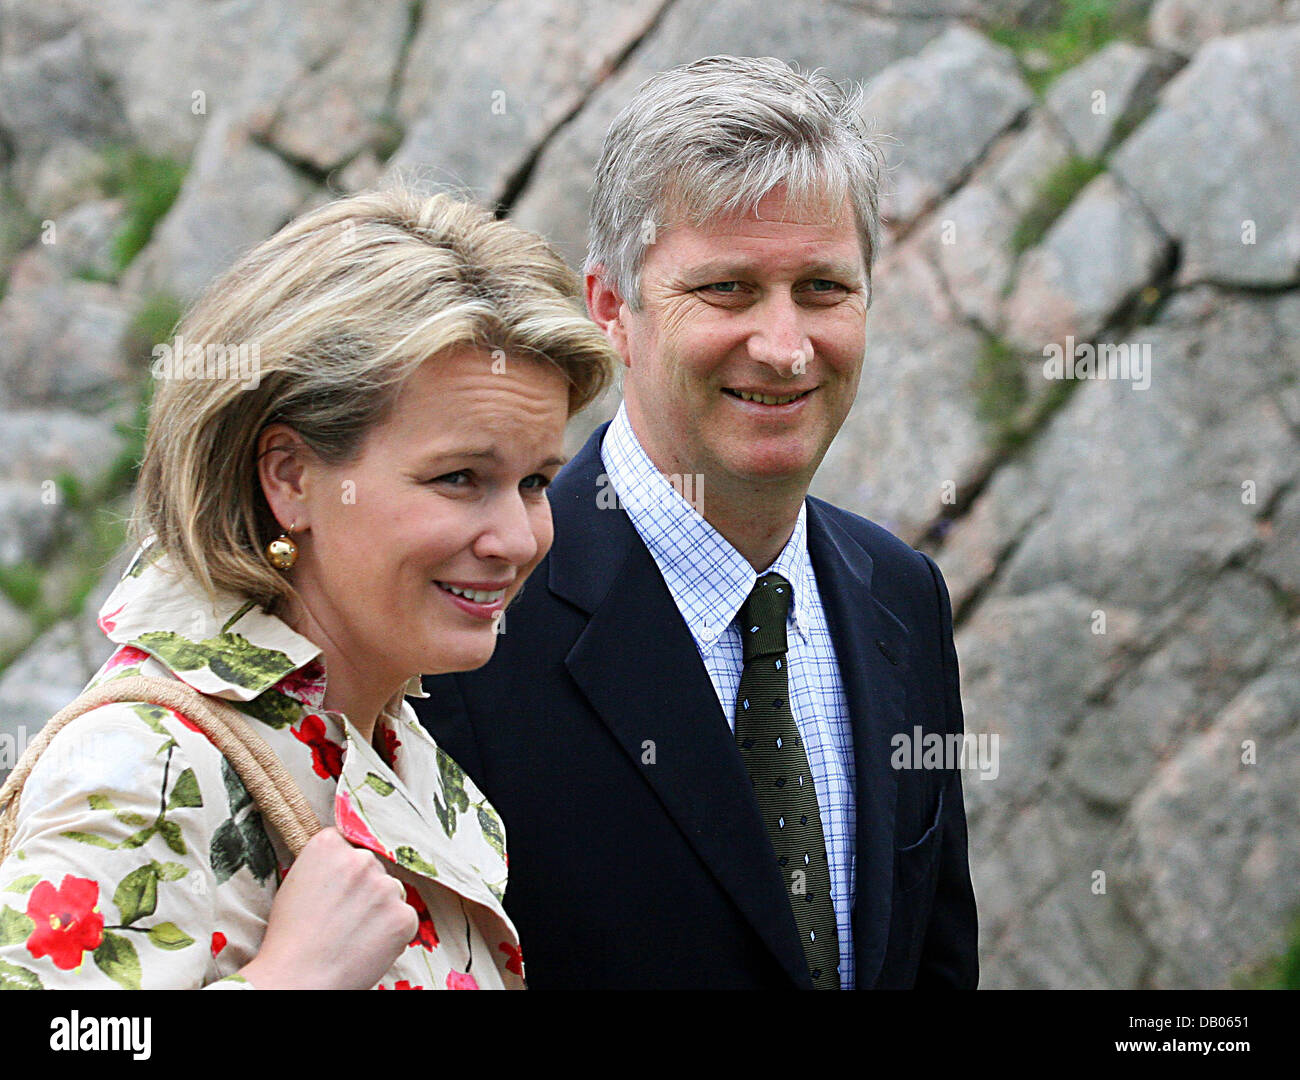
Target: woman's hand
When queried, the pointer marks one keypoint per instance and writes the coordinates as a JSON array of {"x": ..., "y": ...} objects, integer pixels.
[{"x": 338, "y": 922}]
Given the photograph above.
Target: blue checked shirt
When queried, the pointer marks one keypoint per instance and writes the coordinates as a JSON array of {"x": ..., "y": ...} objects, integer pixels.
[{"x": 709, "y": 581}]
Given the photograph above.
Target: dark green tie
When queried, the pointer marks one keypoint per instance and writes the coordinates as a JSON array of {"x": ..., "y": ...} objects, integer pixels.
[{"x": 783, "y": 784}]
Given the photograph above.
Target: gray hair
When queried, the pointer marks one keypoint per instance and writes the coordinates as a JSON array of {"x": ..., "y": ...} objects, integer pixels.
[{"x": 715, "y": 136}]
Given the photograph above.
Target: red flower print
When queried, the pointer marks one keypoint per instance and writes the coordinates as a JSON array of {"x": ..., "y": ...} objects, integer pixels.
[
  {"x": 515, "y": 962},
  {"x": 354, "y": 828},
  {"x": 67, "y": 921},
  {"x": 388, "y": 744},
  {"x": 126, "y": 656},
  {"x": 461, "y": 980},
  {"x": 426, "y": 935},
  {"x": 401, "y": 984},
  {"x": 326, "y": 756},
  {"x": 108, "y": 622},
  {"x": 188, "y": 722},
  {"x": 218, "y": 942},
  {"x": 306, "y": 684}
]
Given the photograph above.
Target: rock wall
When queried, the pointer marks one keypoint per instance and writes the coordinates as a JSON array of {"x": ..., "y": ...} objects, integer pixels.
[{"x": 1121, "y": 552}]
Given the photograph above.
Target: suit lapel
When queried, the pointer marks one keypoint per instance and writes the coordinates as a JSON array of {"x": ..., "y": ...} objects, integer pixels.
[
  {"x": 871, "y": 646},
  {"x": 637, "y": 665}
]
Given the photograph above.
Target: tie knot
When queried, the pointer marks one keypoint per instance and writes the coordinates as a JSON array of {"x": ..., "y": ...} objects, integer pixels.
[{"x": 763, "y": 615}]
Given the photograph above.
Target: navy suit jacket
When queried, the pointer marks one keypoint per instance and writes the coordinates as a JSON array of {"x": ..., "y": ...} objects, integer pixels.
[{"x": 638, "y": 858}]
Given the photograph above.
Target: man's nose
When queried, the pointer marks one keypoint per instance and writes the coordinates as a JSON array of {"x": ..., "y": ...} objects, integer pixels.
[{"x": 780, "y": 340}]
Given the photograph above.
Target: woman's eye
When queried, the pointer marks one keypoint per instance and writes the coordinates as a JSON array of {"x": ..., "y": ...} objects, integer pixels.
[
  {"x": 451, "y": 479},
  {"x": 538, "y": 482}
]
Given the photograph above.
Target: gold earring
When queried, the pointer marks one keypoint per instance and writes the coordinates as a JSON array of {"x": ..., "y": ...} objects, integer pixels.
[{"x": 282, "y": 551}]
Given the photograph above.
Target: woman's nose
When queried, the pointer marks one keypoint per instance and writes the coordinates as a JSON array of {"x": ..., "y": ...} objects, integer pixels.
[{"x": 509, "y": 534}]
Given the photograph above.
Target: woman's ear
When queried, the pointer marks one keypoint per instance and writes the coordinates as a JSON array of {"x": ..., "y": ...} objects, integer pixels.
[{"x": 282, "y": 469}]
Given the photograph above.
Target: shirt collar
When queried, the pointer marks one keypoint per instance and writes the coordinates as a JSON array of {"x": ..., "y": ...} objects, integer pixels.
[
  {"x": 683, "y": 543},
  {"x": 229, "y": 647}
]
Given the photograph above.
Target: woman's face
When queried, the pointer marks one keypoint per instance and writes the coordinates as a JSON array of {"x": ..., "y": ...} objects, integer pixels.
[{"x": 408, "y": 555}]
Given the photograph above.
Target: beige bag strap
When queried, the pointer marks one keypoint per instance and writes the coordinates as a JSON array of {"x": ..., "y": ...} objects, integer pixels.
[{"x": 282, "y": 803}]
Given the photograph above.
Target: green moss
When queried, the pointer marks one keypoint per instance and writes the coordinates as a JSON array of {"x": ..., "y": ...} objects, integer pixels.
[
  {"x": 70, "y": 489},
  {"x": 1076, "y": 29},
  {"x": 18, "y": 225},
  {"x": 1000, "y": 390},
  {"x": 105, "y": 535},
  {"x": 148, "y": 185},
  {"x": 154, "y": 322},
  {"x": 1055, "y": 193},
  {"x": 21, "y": 583},
  {"x": 1278, "y": 973}
]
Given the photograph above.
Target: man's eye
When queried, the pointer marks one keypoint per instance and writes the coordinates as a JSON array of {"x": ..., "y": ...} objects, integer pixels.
[
  {"x": 541, "y": 482},
  {"x": 451, "y": 478},
  {"x": 727, "y": 287},
  {"x": 825, "y": 285}
]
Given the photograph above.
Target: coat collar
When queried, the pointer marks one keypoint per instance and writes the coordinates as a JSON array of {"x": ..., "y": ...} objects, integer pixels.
[
  {"x": 638, "y": 666},
  {"x": 224, "y": 646}
]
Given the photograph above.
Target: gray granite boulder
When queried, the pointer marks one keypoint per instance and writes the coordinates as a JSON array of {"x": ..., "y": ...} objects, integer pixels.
[
  {"x": 1095, "y": 101},
  {"x": 236, "y": 194},
  {"x": 1218, "y": 163},
  {"x": 942, "y": 109},
  {"x": 1093, "y": 260}
]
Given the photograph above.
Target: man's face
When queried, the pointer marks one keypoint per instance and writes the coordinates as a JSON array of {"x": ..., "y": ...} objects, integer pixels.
[{"x": 771, "y": 303}]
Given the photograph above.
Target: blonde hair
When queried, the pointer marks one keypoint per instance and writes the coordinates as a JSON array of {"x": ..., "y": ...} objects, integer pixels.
[{"x": 342, "y": 305}]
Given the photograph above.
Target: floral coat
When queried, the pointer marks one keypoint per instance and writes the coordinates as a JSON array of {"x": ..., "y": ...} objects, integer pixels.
[{"x": 140, "y": 860}]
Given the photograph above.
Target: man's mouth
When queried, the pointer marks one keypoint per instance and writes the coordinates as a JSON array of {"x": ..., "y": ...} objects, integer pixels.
[{"x": 766, "y": 399}]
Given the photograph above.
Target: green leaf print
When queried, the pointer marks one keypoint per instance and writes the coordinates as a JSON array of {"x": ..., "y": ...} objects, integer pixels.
[
  {"x": 136, "y": 839},
  {"x": 171, "y": 832},
  {"x": 226, "y": 853},
  {"x": 236, "y": 794},
  {"x": 171, "y": 871},
  {"x": 137, "y": 893},
  {"x": 272, "y": 708},
  {"x": 257, "y": 845},
  {"x": 116, "y": 957},
  {"x": 245, "y": 664},
  {"x": 178, "y": 653},
  {"x": 236, "y": 845},
  {"x": 381, "y": 785},
  {"x": 170, "y": 936},
  {"x": 492, "y": 829},
  {"x": 186, "y": 791},
  {"x": 453, "y": 783},
  {"x": 445, "y": 816},
  {"x": 144, "y": 558},
  {"x": 229, "y": 656},
  {"x": 24, "y": 884},
  {"x": 15, "y": 926},
  {"x": 153, "y": 716},
  {"x": 410, "y": 858},
  {"x": 90, "y": 838},
  {"x": 16, "y": 977}
]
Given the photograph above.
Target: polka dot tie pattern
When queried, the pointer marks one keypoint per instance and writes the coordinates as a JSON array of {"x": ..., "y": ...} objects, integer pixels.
[{"x": 773, "y": 753}]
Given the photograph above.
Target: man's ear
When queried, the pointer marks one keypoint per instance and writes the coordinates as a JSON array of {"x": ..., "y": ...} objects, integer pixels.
[
  {"x": 282, "y": 470},
  {"x": 608, "y": 311}
]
